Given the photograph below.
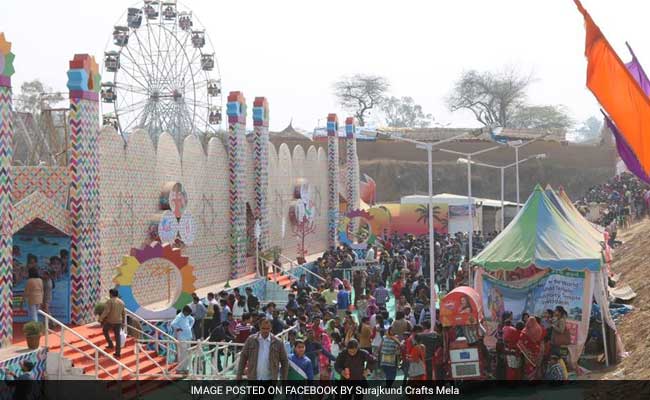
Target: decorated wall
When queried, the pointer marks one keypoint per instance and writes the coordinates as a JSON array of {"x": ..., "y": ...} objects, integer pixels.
[
  {"x": 132, "y": 176},
  {"x": 115, "y": 198}
]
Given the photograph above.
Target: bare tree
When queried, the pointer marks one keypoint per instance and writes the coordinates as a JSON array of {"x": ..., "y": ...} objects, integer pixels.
[
  {"x": 360, "y": 93},
  {"x": 404, "y": 113},
  {"x": 492, "y": 97},
  {"x": 34, "y": 96}
]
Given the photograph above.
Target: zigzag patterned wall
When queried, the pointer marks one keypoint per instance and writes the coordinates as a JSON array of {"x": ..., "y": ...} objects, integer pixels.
[
  {"x": 84, "y": 187},
  {"x": 261, "y": 160},
  {"x": 6, "y": 207},
  {"x": 236, "y": 169},
  {"x": 38, "y": 357},
  {"x": 352, "y": 169},
  {"x": 332, "y": 179},
  {"x": 6, "y": 216},
  {"x": 52, "y": 181}
]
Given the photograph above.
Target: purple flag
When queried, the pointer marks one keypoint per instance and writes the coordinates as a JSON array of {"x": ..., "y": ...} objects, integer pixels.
[
  {"x": 638, "y": 73},
  {"x": 626, "y": 153},
  {"x": 624, "y": 150}
]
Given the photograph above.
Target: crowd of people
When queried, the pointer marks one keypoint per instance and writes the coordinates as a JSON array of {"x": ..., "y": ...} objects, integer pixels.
[
  {"x": 532, "y": 348},
  {"x": 625, "y": 198},
  {"x": 369, "y": 318}
]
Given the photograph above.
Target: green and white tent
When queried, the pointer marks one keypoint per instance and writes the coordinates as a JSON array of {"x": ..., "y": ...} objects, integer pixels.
[{"x": 543, "y": 236}]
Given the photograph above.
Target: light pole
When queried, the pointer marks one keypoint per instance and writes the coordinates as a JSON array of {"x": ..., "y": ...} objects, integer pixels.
[
  {"x": 517, "y": 144},
  {"x": 470, "y": 201},
  {"x": 502, "y": 170},
  {"x": 428, "y": 146}
]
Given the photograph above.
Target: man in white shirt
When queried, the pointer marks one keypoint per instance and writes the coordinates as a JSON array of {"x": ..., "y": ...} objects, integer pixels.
[
  {"x": 370, "y": 255},
  {"x": 182, "y": 327}
]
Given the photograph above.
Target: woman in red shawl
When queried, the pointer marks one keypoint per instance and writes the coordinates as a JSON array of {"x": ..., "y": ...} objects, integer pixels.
[
  {"x": 513, "y": 355},
  {"x": 530, "y": 342}
]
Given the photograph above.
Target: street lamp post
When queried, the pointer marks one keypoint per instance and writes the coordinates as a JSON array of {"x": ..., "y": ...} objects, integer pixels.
[
  {"x": 428, "y": 146},
  {"x": 469, "y": 197},
  {"x": 517, "y": 145},
  {"x": 502, "y": 170}
]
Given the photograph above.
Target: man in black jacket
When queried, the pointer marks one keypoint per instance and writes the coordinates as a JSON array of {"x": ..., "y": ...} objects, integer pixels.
[
  {"x": 252, "y": 301},
  {"x": 220, "y": 334},
  {"x": 354, "y": 363}
]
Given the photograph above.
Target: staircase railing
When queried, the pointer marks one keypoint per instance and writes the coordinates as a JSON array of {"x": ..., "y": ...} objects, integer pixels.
[
  {"x": 96, "y": 351},
  {"x": 201, "y": 359},
  {"x": 201, "y": 362},
  {"x": 294, "y": 266},
  {"x": 153, "y": 338},
  {"x": 283, "y": 336}
]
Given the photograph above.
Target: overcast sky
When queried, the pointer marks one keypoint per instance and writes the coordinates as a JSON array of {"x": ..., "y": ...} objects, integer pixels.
[{"x": 291, "y": 51}]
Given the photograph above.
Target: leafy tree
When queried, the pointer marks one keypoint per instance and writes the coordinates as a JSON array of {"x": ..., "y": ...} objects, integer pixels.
[
  {"x": 404, "y": 113},
  {"x": 541, "y": 117},
  {"x": 590, "y": 129},
  {"x": 361, "y": 93}
]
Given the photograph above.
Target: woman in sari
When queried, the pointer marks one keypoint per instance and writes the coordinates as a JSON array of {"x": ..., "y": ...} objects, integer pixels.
[
  {"x": 512, "y": 353},
  {"x": 325, "y": 356},
  {"x": 530, "y": 342}
]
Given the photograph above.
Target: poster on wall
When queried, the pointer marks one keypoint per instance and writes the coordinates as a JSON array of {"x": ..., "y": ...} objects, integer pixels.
[
  {"x": 556, "y": 288},
  {"x": 51, "y": 256},
  {"x": 461, "y": 211}
]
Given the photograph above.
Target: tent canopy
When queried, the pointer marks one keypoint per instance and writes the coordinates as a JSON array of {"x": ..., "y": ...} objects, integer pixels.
[
  {"x": 540, "y": 235},
  {"x": 562, "y": 202}
]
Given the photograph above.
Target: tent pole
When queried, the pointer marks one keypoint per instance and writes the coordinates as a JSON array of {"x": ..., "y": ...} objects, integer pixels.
[{"x": 602, "y": 316}]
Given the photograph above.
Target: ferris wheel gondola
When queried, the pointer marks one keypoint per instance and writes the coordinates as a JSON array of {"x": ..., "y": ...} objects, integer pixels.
[{"x": 162, "y": 74}]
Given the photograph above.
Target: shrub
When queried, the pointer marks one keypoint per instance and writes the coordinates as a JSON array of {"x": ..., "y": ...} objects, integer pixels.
[
  {"x": 32, "y": 328},
  {"x": 99, "y": 308}
]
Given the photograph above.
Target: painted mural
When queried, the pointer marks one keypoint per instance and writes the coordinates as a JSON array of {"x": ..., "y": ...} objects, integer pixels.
[
  {"x": 409, "y": 218},
  {"x": 50, "y": 255}
]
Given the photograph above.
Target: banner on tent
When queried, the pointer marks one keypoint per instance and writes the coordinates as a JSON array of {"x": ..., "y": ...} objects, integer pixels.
[{"x": 556, "y": 288}]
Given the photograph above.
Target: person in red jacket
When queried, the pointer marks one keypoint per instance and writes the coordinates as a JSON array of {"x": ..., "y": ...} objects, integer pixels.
[
  {"x": 512, "y": 353},
  {"x": 397, "y": 288}
]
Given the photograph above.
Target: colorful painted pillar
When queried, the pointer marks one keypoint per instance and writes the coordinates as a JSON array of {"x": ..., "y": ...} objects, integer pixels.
[
  {"x": 6, "y": 206},
  {"x": 352, "y": 168},
  {"x": 332, "y": 179},
  {"x": 261, "y": 130},
  {"x": 84, "y": 83},
  {"x": 236, "y": 163}
]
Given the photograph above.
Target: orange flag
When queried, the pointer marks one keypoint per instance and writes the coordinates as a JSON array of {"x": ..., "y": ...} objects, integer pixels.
[{"x": 617, "y": 91}]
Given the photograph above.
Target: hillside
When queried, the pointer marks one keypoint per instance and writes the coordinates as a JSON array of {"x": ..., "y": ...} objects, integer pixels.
[
  {"x": 632, "y": 262},
  {"x": 397, "y": 178}
]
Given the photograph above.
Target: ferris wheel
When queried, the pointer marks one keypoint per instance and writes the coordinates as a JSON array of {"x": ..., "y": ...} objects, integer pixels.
[{"x": 161, "y": 74}]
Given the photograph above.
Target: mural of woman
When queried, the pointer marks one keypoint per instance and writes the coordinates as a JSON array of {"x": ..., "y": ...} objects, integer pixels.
[
  {"x": 465, "y": 305},
  {"x": 178, "y": 200},
  {"x": 496, "y": 304}
]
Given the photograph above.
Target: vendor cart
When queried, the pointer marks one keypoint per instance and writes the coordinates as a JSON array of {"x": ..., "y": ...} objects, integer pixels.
[{"x": 461, "y": 311}]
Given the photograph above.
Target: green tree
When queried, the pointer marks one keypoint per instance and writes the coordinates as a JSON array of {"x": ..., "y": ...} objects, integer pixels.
[
  {"x": 590, "y": 129},
  {"x": 541, "y": 117},
  {"x": 404, "y": 113}
]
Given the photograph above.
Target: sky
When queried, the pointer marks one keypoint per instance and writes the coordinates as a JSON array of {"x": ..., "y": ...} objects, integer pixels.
[{"x": 292, "y": 51}]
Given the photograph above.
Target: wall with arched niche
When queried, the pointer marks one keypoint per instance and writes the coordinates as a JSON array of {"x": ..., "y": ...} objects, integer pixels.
[{"x": 132, "y": 176}]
